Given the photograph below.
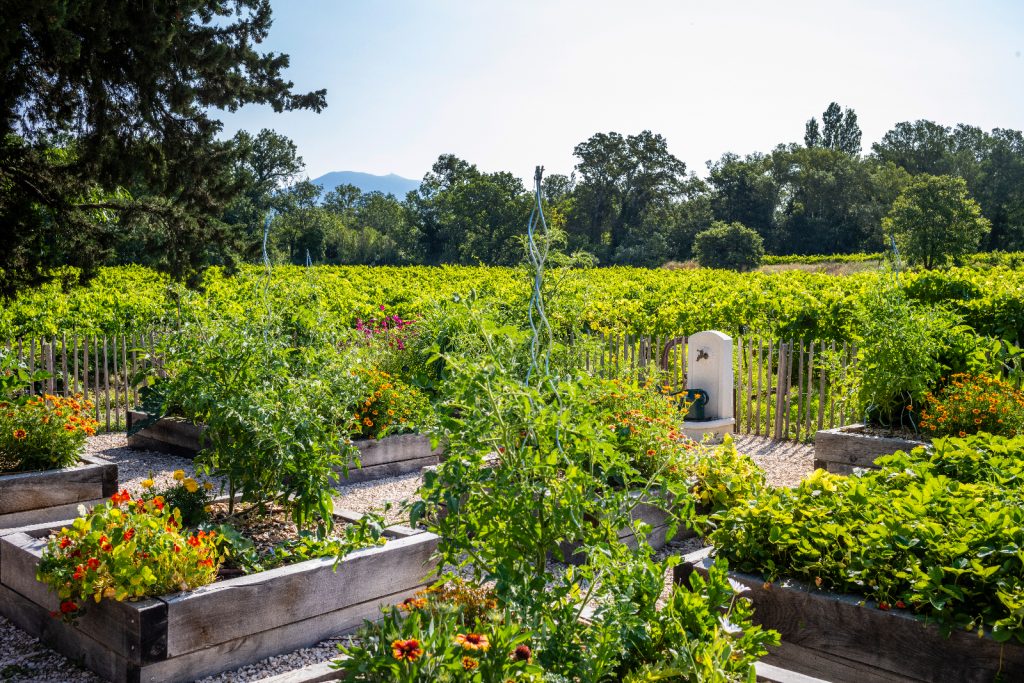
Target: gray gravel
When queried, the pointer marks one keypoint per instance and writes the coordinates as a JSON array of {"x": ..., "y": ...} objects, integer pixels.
[{"x": 23, "y": 658}]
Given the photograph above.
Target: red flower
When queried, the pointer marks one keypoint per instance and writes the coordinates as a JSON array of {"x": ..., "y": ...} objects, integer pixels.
[
  {"x": 177, "y": 548},
  {"x": 522, "y": 653},
  {"x": 68, "y": 606},
  {"x": 79, "y": 573},
  {"x": 93, "y": 563},
  {"x": 64, "y": 542},
  {"x": 408, "y": 650},
  {"x": 129, "y": 534},
  {"x": 106, "y": 547},
  {"x": 193, "y": 541}
]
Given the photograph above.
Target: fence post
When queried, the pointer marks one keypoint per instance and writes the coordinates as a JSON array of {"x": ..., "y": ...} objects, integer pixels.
[{"x": 781, "y": 389}]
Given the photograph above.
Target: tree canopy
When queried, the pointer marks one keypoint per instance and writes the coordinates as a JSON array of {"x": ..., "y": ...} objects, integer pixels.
[{"x": 108, "y": 106}]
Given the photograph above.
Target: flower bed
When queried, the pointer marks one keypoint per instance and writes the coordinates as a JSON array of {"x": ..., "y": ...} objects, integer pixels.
[
  {"x": 191, "y": 634},
  {"x": 379, "y": 458},
  {"x": 841, "y": 449},
  {"x": 47, "y": 495},
  {"x": 843, "y": 637}
]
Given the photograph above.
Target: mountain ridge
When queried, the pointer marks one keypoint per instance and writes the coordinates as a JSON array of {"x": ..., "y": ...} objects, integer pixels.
[{"x": 391, "y": 183}]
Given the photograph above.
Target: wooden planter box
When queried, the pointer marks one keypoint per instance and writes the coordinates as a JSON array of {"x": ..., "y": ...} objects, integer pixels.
[
  {"x": 238, "y": 621},
  {"x": 845, "y": 638},
  {"x": 387, "y": 457},
  {"x": 840, "y": 450},
  {"x": 48, "y": 495}
]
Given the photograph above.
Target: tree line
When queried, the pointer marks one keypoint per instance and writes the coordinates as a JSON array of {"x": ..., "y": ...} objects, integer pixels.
[
  {"x": 630, "y": 201},
  {"x": 111, "y": 159}
]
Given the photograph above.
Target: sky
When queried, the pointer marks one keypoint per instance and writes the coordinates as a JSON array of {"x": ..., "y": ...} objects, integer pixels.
[{"x": 511, "y": 85}]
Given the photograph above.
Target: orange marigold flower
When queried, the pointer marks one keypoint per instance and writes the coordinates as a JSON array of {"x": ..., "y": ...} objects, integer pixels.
[
  {"x": 410, "y": 604},
  {"x": 406, "y": 650},
  {"x": 473, "y": 641},
  {"x": 468, "y": 663}
]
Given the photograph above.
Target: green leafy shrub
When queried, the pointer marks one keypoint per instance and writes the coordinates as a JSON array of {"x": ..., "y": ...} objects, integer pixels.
[
  {"x": 936, "y": 532},
  {"x": 899, "y": 352},
  {"x": 733, "y": 246},
  {"x": 276, "y": 416},
  {"x": 968, "y": 404},
  {"x": 124, "y": 550}
]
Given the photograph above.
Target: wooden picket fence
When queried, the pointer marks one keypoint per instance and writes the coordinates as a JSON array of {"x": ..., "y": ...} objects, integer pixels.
[
  {"x": 103, "y": 368},
  {"x": 782, "y": 389}
]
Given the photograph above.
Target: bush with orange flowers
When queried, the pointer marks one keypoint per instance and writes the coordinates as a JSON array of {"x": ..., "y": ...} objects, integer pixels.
[
  {"x": 972, "y": 403},
  {"x": 43, "y": 432},
  {"x": 126, "y": 549},
  {"x": 387, "y": 406}
]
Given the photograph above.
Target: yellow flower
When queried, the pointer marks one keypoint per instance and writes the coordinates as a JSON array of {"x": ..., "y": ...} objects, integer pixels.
[
  {"x": 191, "y": 486},
  {"x": 147, "y": 483},
  {"x": 208, "y": 486},
  {"x": 179, "y": 475}
]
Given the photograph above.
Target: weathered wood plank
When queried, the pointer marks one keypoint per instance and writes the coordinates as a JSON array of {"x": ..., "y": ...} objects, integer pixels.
[
  {"x": 848, "y": 632},
  {"x": 45, "y": 515},
  {"x": 21, "y": 491},
  {"x": 268, "y": 643},
  {"x": 66, "y": 639},
  {"x": 845, "y": 447},
  {"x": 223, "y": 611}
]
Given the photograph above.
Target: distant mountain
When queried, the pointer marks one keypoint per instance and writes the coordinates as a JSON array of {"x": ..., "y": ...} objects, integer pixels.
[{"x": 367, "y": 182}]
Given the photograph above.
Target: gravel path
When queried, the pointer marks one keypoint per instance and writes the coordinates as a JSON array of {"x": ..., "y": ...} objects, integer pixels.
[{"x": 23, "y": 658}]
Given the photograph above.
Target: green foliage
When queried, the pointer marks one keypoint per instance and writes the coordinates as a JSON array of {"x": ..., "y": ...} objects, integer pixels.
[
  {"x": 565, "y": 462},
  {"x": 787, "y": 305},
  {"x": 936, "y": 532},
  {"x": 126, "y": 549},
  {"x": 240, "y": 552},
  {"x": 838, "y": 131},
  {"x": 934, "y": 220},
  {"x": 102, "y": 97},
  {"x": 899, "y": 353},
  {"x": 728, "y": 245},
  {"x": 276, "y": 415}
]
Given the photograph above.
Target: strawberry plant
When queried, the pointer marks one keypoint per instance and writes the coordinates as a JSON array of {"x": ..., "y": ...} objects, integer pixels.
[{"x": 937, "y": 532}]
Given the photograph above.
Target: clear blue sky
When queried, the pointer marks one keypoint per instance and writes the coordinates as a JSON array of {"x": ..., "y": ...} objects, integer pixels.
[{"x": 508, "y": 85}]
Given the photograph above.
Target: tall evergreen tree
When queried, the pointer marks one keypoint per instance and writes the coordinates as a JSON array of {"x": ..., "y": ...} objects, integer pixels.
[{"x": 126, "y": 91}]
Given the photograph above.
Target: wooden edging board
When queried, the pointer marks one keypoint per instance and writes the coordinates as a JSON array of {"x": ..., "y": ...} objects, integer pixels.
[
  {"x": 378, "y": 458},
  {"x": 841, "y": 449},
  {"x": 231, "y": 623},
  {"x": 49, "y": 495},
  {"x": 846, "y": 638}
]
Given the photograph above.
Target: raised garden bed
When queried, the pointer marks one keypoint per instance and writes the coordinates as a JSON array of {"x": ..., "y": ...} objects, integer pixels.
[
  {"x": 841, "y": 449},
  {"x": 47, "y": 495},
  {"x": 228, "y": 624},
  {"x": 387, "y": 457},
  {"x": 845, "y": 638}
]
